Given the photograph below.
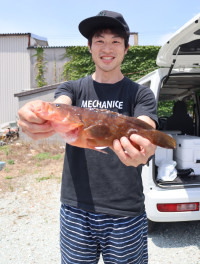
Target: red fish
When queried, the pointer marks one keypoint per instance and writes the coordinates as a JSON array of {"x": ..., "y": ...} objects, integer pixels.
[{"x": 93, "y": 128}]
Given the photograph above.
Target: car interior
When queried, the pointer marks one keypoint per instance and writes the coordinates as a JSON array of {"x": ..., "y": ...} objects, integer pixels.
[{"x": 179, "y": 114}]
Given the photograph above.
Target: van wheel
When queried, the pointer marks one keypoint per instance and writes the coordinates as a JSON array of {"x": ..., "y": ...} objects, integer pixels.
[{"x": 151, "y": 226}]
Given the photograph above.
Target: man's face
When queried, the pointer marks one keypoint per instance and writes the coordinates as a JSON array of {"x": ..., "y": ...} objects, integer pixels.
[{"x": 108, "y": 50}]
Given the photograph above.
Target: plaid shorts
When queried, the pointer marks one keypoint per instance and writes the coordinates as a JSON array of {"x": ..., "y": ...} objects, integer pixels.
[{"x": 84, "y": 236}]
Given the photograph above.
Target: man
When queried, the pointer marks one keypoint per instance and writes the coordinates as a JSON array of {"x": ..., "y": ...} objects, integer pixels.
[{"x": 102, "y": 197}]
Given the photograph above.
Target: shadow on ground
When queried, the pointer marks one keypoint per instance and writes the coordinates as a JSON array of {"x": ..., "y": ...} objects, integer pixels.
[{"x": 176, "y": 234}]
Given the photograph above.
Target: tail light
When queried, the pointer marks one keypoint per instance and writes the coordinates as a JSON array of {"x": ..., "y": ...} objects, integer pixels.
[{"x": 178, "y": 207}]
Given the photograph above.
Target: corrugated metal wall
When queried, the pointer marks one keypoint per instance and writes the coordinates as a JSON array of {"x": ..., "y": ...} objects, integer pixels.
[
  {"x": 14, "y": 74},
  {"x": 54, "y": 65}
]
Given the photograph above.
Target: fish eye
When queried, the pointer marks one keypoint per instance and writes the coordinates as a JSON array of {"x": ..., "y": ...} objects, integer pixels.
[{"x": 57, "y": 105}]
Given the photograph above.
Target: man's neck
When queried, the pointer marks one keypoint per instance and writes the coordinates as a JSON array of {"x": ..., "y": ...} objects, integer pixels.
[{"x": 107, "y": 77}]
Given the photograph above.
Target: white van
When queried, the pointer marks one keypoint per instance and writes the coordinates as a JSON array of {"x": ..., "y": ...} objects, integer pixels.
[{"x": 172, "y": 178}]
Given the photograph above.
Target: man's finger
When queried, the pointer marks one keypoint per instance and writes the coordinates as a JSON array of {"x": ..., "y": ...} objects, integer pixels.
[
  {"x": 128, "y": 147},
  {"x": 35, "y": 128},
  {"x": 36, "y": 136}
]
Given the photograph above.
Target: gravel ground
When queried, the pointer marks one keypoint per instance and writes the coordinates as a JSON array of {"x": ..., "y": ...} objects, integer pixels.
[{"x": 29, "y": 229}]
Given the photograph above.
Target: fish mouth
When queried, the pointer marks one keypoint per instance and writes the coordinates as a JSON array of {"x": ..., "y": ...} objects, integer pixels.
[{"x": 48, "y": 110}]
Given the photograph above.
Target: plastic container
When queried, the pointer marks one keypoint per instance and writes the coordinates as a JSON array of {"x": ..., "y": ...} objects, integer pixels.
[
  {"x": 162, "y": 154},
  {"x": 187, "y": 152},
  {"x": 2, "y": 165}
]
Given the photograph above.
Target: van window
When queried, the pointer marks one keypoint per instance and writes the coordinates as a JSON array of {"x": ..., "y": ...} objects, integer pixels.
[{"x": 165, "y": 110}]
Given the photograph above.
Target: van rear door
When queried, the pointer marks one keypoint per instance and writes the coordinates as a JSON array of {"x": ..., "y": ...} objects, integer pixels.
[{"x": 183, "y": 48}]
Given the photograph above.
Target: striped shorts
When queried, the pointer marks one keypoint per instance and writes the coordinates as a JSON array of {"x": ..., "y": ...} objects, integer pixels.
[{"x": 84, "y": 236}]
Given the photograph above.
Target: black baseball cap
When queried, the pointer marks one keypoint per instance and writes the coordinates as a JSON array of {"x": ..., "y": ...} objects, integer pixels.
[{"x": 107, "y": 19}]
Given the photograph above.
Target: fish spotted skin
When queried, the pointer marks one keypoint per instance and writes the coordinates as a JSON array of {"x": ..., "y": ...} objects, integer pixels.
[{"x": 92, "y": 128}]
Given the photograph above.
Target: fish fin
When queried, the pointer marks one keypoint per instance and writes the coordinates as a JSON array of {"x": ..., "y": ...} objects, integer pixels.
[
  {"x": 91, "y": 143},
  {"x": 98, "y": 131},
  {"x": 100, "y": 150},
  {"x": 159, "y": 138}
]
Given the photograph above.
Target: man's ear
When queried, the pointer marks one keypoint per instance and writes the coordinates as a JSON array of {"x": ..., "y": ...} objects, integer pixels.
[
  {"x": 89, "y": 47},
  {"x": 126, "y": 50}
]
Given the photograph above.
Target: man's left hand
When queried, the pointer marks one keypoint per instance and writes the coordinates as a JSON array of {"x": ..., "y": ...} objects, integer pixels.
[{"x": 130, "y": 155}]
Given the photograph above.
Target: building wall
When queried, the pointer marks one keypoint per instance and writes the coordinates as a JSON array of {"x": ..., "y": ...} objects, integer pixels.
[
  {"x": 14, "y": 74},
  {"x": 46, "y": 94},
  {"x": 18, "y": 71},
  {"x": 54, "y": 62}
]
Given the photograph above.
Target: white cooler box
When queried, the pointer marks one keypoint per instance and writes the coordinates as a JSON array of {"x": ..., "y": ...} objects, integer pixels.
[
  {"x": 187, "y": 152},
  {"x": 162, "y": 154}
]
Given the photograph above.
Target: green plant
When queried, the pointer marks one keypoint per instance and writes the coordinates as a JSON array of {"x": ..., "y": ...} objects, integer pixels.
[
  {"x": 7, "y": 170},
  {"x": 6, "y": 149},
  {"x": 80, "y": 63},
  {"x": 138, "y": 61},
  {"x": 42, "y": 156},
  {"x": 11, "y": 162},
  {"x": 39, "y": 179},
  {"x": 8, "y": 177},
  {"x": 41, "y": 67},
  {"x": 56, "y": 157},
  {"x": 46, "y": 156},
  {"x": 22, "y": 171},
  {"x": 165, "y": 108}
]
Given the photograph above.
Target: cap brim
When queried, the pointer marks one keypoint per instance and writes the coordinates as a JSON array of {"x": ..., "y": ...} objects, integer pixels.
[{"x": 88, "y": 25}]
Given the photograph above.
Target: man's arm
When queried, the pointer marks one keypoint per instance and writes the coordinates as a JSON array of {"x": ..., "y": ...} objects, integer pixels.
[
  {"x": 33, "y": 126},
  {"x": 148, "y": 120},
  {"x": 128, "y": 154},
  {"x": 63, "y": 99}
]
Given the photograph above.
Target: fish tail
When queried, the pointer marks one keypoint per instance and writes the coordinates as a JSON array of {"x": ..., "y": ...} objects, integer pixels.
[{"x": 159, "y": 138}]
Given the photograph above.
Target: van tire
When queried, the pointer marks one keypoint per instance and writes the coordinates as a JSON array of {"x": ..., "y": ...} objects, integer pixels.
[{"x": 151, "y": 226}]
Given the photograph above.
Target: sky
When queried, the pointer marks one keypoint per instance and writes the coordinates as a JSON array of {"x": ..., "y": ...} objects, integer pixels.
[{"x": 57, "y": 20}]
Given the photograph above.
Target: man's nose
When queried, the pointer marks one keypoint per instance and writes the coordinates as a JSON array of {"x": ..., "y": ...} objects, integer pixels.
[{"x": 107, "y": 47}]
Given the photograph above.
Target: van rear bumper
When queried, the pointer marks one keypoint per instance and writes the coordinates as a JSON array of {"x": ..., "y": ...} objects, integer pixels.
[{"x": 154, "y": 197}]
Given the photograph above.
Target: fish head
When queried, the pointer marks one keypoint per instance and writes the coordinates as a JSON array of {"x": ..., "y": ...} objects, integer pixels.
[
  {"x": 61, "y": 118},
  {"x": 52, "y": 112}
]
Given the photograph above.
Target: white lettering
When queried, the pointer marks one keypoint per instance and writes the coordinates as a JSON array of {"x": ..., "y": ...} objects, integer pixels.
[
  {"x": 89, "y": 103},
  {"x": 109, "y": 104},
  {"x": 120, "y": 105},
  {"x": 99, "y": 104},
  {"x": 102, "y": 104},
  {"x": 84, "y": 104},
  {"x": 95, "y": 104}
]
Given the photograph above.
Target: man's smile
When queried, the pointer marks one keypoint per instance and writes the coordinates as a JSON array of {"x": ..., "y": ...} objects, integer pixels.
[{"x": 107, "y": 58}]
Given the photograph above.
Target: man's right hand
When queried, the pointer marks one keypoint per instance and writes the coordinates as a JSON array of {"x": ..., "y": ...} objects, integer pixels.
[{"x": 31, "y": 125}]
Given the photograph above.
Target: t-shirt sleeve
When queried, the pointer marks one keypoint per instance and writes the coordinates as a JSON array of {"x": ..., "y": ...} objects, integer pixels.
[
  {"x": 145, "y": 103},
  {"x": 65, "y": 89}
]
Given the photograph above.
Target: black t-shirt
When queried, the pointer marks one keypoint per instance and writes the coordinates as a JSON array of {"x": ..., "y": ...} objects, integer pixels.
[{"x": 92, "y": 180}]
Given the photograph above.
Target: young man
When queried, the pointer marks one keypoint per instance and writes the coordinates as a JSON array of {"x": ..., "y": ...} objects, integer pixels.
[{"x": 102, "y": 197}]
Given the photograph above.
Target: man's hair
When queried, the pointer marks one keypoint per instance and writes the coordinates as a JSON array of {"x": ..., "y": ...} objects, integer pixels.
[{"x": 118, "y": 32}]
